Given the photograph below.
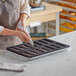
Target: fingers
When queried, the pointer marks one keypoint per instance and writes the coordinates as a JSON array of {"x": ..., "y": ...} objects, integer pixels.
[
  {"x": 24, "y": 37},
  {"x": 19, "y": 29},
  {"x": 25, "y": 33}
]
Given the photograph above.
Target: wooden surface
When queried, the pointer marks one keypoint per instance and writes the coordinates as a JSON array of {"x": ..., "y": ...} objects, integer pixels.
[{"x": 46, "y": 15}]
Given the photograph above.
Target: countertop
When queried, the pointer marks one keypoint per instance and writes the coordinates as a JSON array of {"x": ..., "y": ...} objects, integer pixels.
[{"x": 60, "y": 64}]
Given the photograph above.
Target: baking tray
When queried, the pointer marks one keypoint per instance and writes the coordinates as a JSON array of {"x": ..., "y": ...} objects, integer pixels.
[{"x": 41, "y": 48}]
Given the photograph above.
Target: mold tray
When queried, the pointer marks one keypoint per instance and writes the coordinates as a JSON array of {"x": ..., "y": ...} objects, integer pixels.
[{"x": 41, "y": 47}]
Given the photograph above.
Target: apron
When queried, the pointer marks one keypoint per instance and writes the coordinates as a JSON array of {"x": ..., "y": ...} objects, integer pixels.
[{"x": 9, "y": 17}]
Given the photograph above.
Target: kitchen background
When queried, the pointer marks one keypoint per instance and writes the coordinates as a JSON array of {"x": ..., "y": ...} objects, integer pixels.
[{"x": 67, "y": 20}]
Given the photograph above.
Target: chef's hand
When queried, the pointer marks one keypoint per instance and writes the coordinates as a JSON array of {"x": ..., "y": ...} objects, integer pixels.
[
  {"x": 22, "y": 36},
  {"x": 22, "y": 30}
]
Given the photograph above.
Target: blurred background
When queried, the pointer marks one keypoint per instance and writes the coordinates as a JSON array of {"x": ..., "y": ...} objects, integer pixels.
[{"x": 66, "y": 18}]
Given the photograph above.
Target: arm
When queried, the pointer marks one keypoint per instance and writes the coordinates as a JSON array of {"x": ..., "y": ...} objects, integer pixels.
[
  {"x": 25, "y": 12},
  {"x": 8, "y": 32},
  {"x": 23, "y": 18},
  {"x": 21, "y": 35},
  {"x": 4, "y": 31}
]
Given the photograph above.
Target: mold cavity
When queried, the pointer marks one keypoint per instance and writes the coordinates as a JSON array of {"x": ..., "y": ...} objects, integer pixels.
[
  {"x": 42, "y": 41},
  {"x": 37, "y": 43},
  {"x": 48, "y": 40}
]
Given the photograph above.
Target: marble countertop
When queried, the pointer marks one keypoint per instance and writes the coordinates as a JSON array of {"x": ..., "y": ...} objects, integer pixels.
[{"x": 60, "y": 64}]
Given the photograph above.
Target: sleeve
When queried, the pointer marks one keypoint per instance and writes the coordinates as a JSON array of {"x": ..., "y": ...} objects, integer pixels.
[
  {"x": 25, "y": 8},
  {"x": 1, "y": 28}
]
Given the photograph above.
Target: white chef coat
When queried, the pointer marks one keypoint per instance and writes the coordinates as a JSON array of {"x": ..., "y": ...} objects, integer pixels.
[{"x": 25, "y": 10}]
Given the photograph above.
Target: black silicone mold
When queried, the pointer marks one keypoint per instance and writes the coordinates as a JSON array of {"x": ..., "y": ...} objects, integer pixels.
[{"x": 41, "y": 47}]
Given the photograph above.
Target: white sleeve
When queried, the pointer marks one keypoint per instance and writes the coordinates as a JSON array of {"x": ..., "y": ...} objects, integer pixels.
[
  {"x": 25, "y": 8},
  {"x": 1, "y": 28}
]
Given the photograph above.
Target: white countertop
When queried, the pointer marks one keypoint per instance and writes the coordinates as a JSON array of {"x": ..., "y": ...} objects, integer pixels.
[{"x": 60, "y": 64}]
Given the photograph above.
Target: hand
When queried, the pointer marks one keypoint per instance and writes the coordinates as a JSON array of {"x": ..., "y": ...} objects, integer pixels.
[
  {"x": 22, "y": 30},
  {"x": 22, "y": 36}
]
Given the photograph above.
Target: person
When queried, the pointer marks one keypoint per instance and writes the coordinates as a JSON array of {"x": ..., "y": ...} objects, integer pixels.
[{"x": 12, "y": 12}]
